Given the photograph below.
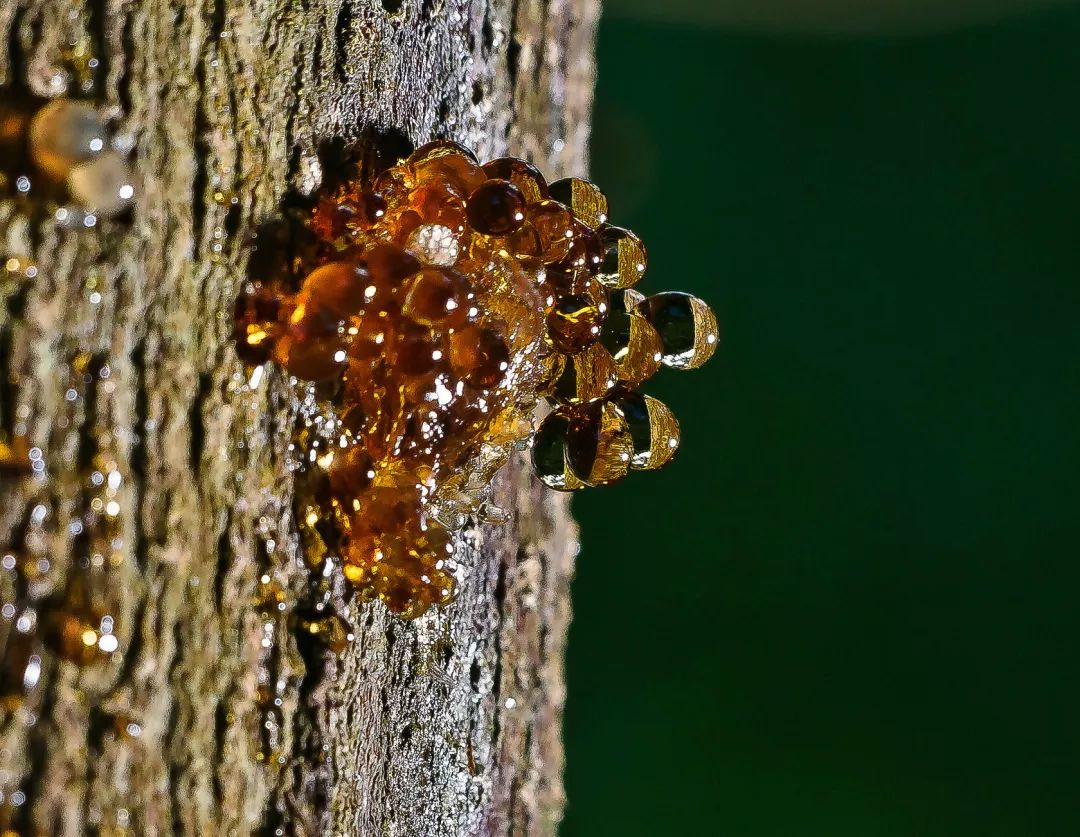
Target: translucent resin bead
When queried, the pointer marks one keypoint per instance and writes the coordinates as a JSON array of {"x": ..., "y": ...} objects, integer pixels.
[
  {"x": 654, "y": 429},
  {"x": 63, "y": 134},
  {"x": 584, "y": 255},
  {"x": 339, "y": 288},
  {"x": 527, "y": 178},
  {"x": 686, "y": 325},
  {"x": 496, "y": 207},
  {"x": 479, "y": 355},
  {"x": 346, "y": 213},
  {"x": 552, "y": 367},
  {"x": 437, "y": 150},
  {"x": 547, "y": 234},
  {"x": 433, "y": 202},
  {"x": 574, "y": 322},
  {"x": 311, "y": 359},
  {"x": 623, "y": 258},
  {"x": 634, "y": 344},
  {"x": 104, "y": 184},
  {"x": 437, "y": 296},
  {"x": 584, "y": 198},
  {"x": 549, "y": 453},
  {"x": 388, "y": 266},
  {"x": 598, "y": 444},
  {"x": 415, "y": 350},
  {"x": 448, "y": 161},
  {"x": 587, "y": 376}
]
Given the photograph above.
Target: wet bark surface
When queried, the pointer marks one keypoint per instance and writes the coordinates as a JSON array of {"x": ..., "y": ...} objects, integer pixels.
[{"x": 216, "y": 715}]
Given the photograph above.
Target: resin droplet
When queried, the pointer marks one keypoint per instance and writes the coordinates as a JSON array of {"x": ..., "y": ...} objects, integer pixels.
[
  {"x": 496, "y": 207},
  {"x": 345, "y": 213},
  {"x": 527, "y": 178},
  {"x": 63, "y": 134},
  {"x": 389, "y": 266},
  {"x": 598, "y": 444},
  {"x": 634, "y": 344},
  {"x": 338, "y": 288},
  {"x": 432, "y": 202},
  {"x": 549, "y": 454},
  {"x": 552, "y": 367},
  {"x": 310, "y": 359},
  {"x": 547, "y": 234},
  {"x": 574, "y": 323},
  {"x": 686, "y": 325},
  {"x": 584, "y": 198},
  {"x": 446, "y": 160},
  {"x": 103, "y": 184},
  {"x": 584, "y": 256},
  {"x": 587, "y": 376},
  {"x": 479, "y": 355},
  {"x": 653, "y": 429},
  {"x": 436, "y": 296},
  {"x": 437, "y": 150},
  {"x": 624, "y": 259}
]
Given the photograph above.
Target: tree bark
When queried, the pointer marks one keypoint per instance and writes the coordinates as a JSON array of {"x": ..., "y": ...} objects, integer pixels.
[{"x": 216, "y": 715}]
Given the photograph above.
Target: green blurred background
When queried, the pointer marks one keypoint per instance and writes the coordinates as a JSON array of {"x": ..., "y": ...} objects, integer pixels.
[{"x": 849, "y": 606}]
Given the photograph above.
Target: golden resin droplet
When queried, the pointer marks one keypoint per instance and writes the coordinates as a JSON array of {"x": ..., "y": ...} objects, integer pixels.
[
  {"x": 686, "y": 325},
  {"x": 634, "y": 344},
  {"x": 546, "y": 236},
  {"x": 447, "y": 161},
  {"x": 496, "y": 207},
  {"x": 103, "y": 184},
  {"x": 598, "y": 444},
  {"x": 574, "y": 322},
  {"x": 586, "y": 376},
  {"x": 653, "y": 429},
  {"x": 63, "y": 134},
  {"x": 549, "y": 453},
  {"x": 623, "y": 258},
  {"x": 526, "y": 177},
  {"x": 584, "y": 198}
]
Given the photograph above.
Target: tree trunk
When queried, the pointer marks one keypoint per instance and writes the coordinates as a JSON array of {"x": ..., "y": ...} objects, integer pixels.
[{"x": 216, "y": 715}]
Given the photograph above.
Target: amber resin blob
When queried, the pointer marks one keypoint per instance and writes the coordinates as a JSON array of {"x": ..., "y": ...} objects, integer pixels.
[{"x": 430, "y": 305}]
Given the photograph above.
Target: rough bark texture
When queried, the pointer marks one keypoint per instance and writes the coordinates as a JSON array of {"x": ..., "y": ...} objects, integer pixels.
[{"x": 449, "y": 725}]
